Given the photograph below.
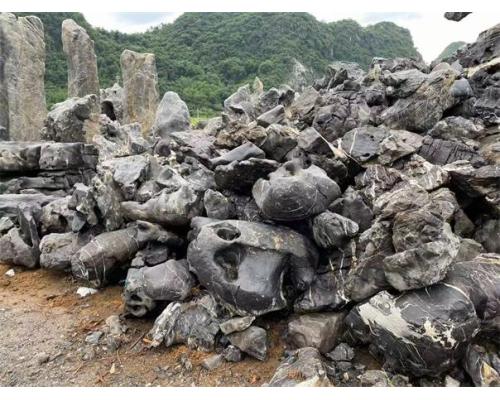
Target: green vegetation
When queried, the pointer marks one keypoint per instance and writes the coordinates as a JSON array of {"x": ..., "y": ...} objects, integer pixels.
[
  {"x": 205, "y": 56},
  {"x": 450, "y": 50}
]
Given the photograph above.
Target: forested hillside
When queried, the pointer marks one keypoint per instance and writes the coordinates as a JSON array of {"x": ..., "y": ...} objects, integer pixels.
[{"x": 205, "y": 56}]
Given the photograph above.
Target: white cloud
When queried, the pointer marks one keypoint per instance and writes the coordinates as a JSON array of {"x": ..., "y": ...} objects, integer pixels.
[
  {"x": 129, "y": 22},
  {"x": 431, "y": 32}
]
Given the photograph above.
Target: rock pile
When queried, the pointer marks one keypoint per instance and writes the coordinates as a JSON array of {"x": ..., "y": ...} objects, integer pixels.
[{"x": 365, "y": 210}]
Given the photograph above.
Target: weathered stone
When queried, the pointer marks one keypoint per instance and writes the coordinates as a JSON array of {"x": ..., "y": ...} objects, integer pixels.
[
  {"x": 194, "y": 324},
  {"x": 244, "y": 152},
  {"x": 101, "y": 260},
  {"x": 57, "y": 249},
  {"x": 318, "y": 330},
  {"x": 425, "y": 247},
  {"x": 279, "y": 141},
  {"x": 332, "y": 230},
  {"x": 236, "y": 324},
  {"x": 478, "y": 365},
  {"x": 78, "y": 47},
  {"x": 243, "y": 264},
  {"x": 22, "y": 90},
  {"x": 232, "y": 354},
  {"x": 15, "y": 251},
  {"x": 488, "y": 234},
  {"x": 304, "y": 367},
  {"x": 128, "y": 173},
  {"x": 73, "y": 120},
  {"x": 327, "y": 292},
  {"x": 479, "y": 278},
  {"x": 422, "y": 332},
  {"x": 252, "y": 341},
  {"x": 352, "y": 206},
  {"x": 443, "y": 152},
  {"x": 169, "y": 281},
  {"x": 166, "y": 207},
  {"x": 386, "y": 145},
  {"x": 217, "y": 205},
  {"x": 140, "y": 88},
  {"x": 366, "y": 277},
  {"x": 112, "y": 102},
  {"x": 342, "y": 352},
  {"x": 172, "y": 115},
  {"x": 240, "y": 176},
  {"x": 456, "y": 16},
  {"x": 274, "y": 116},
  {"x": 424, "y": 108},
  {"x": 212, "y": 362},
  {"x": 293, "y": 193}
]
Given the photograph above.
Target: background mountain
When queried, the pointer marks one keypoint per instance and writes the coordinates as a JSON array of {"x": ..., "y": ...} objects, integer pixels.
[
  {"x": 450, "y": 50},
  {"x": 206, "y": 56}
]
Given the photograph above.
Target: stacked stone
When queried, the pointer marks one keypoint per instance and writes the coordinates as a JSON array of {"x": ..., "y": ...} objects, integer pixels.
[{"x": 365, "y": 210}]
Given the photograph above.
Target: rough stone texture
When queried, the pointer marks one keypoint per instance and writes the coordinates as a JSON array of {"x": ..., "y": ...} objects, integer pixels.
[
  {"x": 478, "y": 365},
  {"x": 332, "y": 230},
  {"x": 78, "y": 47},
  {"x": 304, "y": 367},
  {"x": 112, "y": 102},
  {"x": 293, "y": 193},
  {"x": 456, "y": 16},
  {"x": 140, "y": 88},
  {"x": 318, "y": 330},
  {"x": 22, "y": 74},
  {"x": 101, "y": 260},
  {"x": 172, "y": 115},
  {"x": 422, "y": 332},
  {"x": 73, "y": 120},
  {"x": 252, "y": 341},
  {"x": 144, "y": 287},
  {"x": 193, "y": 323}
]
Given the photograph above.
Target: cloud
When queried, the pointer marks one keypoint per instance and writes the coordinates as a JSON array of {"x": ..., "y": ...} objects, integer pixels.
[{"x": 129, "y": 22}]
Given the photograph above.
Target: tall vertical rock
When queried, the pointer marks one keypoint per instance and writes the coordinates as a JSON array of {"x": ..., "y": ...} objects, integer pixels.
[
  {"x": 83, "y": 78},
  {"x": 22, "y": 73},
  {"x": 140, "y": 88}
]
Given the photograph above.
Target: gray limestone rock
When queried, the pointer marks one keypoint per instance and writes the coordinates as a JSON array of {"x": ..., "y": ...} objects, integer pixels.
[
  {"x": 73, "y": 120},
  {"x": 243, "y": 264},
  {"x": 304, "y": 367},
  {"x": 318, "y": 330},
  {"x": 140, "y": 88},
  {"x": 22, "y": 89},
  {"x": 293, "y": 193},
  {"x": 252, "y": 341},
  {"x": 144, "y": 287},
  {"x": 332, "y": 230},
  {"x": 172, "y": 115},
  {"x": 78, "y": 47},
  {"x": 107, "y": 254},
  {"x": 194, "y": 323}
]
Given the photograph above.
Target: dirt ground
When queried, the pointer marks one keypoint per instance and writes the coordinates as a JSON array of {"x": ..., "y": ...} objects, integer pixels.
[{"x": 43, "y": 325}]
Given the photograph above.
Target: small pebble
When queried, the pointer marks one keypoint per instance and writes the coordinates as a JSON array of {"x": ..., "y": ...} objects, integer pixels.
[
  {"x": 85, "y": 291},
  {"x": 10, "y": 273}
]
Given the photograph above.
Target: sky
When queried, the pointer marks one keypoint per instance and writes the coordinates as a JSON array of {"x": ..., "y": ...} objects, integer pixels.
[{"x": 431, "y": 32}]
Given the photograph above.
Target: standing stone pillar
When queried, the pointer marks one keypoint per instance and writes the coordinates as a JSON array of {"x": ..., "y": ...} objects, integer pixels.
[
  {"x": 22, "y": 74},
  {"x": 140, "y": 88},
  {"x": 83, "y": 78}
]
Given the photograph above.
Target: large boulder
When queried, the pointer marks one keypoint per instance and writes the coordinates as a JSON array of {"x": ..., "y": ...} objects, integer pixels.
[
  {"x": 140, "y": 88},
  {"x": 104, "y": 258},
  {"x": 294, "y": 193},
  {"x": 421, "y": 332},
  {"x": 82, "y": 62},
  {"x": 172, "y": 115},
  {"x": 73, "y": 120},
  {"x": 22, "y": 89},
  {"x": 243, "y": 264}
]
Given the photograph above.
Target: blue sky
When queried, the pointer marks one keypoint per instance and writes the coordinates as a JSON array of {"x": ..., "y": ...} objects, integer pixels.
[{"x": 430, "y": 31}]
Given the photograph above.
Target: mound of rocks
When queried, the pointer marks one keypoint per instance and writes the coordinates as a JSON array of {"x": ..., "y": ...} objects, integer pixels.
[{"x": 363, "y": 211}]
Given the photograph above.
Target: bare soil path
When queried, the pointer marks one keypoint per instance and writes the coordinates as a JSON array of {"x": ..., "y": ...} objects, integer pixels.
[{"x": 43, "y": 325}]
